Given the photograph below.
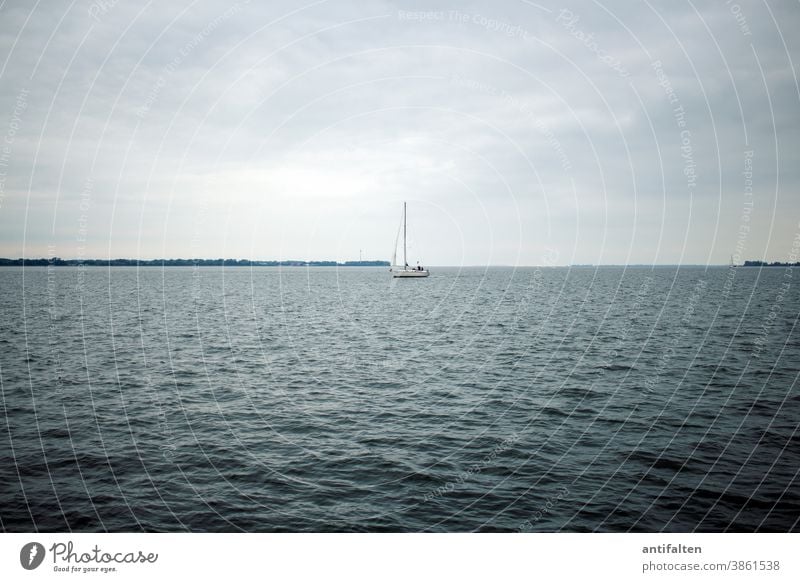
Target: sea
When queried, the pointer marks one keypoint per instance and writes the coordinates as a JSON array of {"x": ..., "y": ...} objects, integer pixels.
[{"x": 268, "y": 399}]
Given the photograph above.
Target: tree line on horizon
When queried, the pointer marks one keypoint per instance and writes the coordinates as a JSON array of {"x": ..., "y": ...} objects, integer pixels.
[{"x": 58, "y": 262}]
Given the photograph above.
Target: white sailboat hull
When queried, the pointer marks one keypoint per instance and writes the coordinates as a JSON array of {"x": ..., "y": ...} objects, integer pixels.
[{"x": 409, "y": 273}]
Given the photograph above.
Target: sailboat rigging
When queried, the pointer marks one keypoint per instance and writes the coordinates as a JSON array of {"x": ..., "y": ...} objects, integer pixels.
[{"x": 405, "y": 270}]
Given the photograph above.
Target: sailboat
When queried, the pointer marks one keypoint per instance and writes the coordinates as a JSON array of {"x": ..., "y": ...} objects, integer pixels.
[{"x": 404, "y": 270}]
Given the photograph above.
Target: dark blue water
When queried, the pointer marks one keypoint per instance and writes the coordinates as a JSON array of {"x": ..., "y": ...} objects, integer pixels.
[{"x": 274, "y": 399}]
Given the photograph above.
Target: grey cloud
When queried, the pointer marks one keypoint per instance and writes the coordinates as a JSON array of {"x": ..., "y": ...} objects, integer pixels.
[{"x": 507, "y": 125}]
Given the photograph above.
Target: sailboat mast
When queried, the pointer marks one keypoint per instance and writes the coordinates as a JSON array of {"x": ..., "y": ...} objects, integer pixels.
[{"x": 405, "y": 220}]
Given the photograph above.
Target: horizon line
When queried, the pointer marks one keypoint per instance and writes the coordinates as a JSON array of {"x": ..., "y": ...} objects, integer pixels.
[{"x": 367, "y": 263}]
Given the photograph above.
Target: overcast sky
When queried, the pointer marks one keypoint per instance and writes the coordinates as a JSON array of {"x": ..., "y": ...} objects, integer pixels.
[{"x": 520, "y": 133}]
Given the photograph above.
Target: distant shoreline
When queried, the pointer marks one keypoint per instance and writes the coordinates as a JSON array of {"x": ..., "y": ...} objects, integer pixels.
[
  {"x": 766, "y": 264},
  {"x": 58, "y": 262}
]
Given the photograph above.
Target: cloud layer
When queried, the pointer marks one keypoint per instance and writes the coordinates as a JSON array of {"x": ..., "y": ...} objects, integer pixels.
[{"x": 517, "y": 131}]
